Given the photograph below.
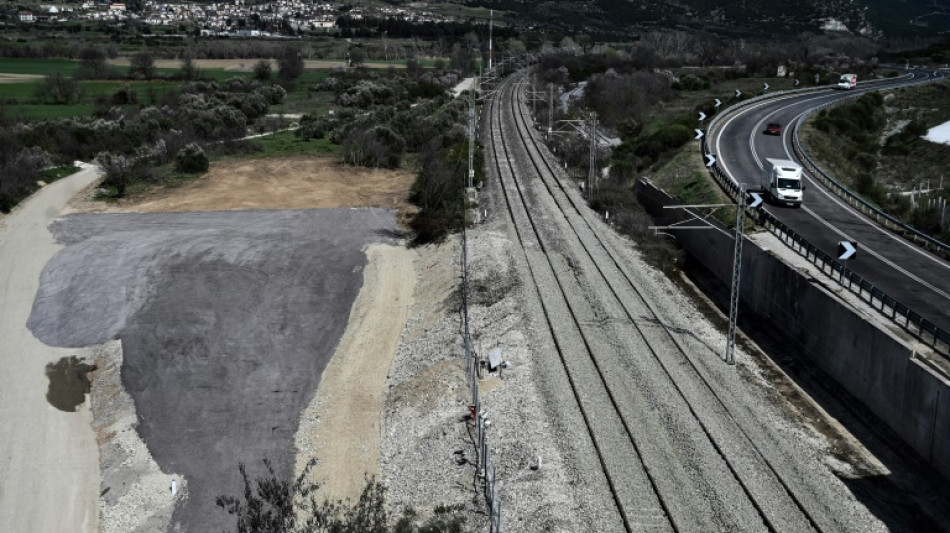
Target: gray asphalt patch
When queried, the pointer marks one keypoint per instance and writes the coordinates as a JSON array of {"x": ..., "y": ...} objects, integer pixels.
[{"x": 227, "y": 320}]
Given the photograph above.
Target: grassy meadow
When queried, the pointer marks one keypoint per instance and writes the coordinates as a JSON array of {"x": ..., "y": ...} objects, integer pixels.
[{"x": 19, "y": 100}]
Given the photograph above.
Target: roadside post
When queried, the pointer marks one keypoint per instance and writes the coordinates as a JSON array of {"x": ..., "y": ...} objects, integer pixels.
[{"x": 846, "y": 250}]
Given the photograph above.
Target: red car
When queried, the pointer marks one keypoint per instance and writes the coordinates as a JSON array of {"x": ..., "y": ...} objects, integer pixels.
[{"x": 773, "y": 128}]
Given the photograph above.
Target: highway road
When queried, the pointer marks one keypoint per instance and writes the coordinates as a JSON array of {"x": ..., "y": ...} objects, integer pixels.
[{"x": 913, "y": 276}]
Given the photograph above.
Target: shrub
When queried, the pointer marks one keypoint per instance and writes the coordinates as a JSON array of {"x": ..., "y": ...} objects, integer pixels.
[
  {"x": 437, "y": 190},
  {"x": 191, "y": 159},
  {"x": 262, "y": 70},
  {"x": 376, "y": 147},
  {"x": 691, "y": 82},
  {"x": 125, "y": 95},
  {"x": 866, "y": 186},
  {"x": 119, "y": 170},
  {"x": 313, "y": 127},
  {"x": 58, "y": 89},
  {"x": 18, "y": 175},
  {"x": 271, "y": 504}
]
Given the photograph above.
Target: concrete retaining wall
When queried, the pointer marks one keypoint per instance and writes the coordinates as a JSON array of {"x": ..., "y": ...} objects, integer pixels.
[{"x": 873, "y": 365}]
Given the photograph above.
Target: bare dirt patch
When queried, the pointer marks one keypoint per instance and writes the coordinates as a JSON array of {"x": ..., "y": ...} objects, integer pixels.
[
  {"x": 18, "y": 78},
  {"x": 274, "y": 183}
]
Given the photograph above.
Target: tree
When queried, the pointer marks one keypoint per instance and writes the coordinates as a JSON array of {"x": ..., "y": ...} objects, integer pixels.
[
  {"x": 585, "y": 42},
  {"x": 568, "y": 45},
  {"x": 119, "y": 170},
  {"x": 189, "y": 71},
  {"x": 516, "y": 47},
  {"x": 289, "y": 64},
  {"x": 142, "y": 64},
  {"x": 357, "y": 55},
  {"x": 413, "y": 68},
  {"x": 93, "y": 64},
  {"x": 271, "y": 504},
  {"x": 262, "y": 70},
  {"x": 58, "y": 89}
]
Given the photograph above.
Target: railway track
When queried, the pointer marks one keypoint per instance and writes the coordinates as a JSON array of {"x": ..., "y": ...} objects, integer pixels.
[{"x": 678, "y": 452}]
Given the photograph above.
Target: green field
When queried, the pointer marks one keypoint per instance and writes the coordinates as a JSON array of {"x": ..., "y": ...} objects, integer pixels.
[
  {"x": 285, "y": 143},
  {"x": 45, "y": 111},
  {"x": 19, "y": 99},
  {"x": 66, "y": 67}
]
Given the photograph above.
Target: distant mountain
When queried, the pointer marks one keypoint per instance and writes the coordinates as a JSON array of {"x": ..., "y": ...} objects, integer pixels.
[{"x": 763, "y": 18}]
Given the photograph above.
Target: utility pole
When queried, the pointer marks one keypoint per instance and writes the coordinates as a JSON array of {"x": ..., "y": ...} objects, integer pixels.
[
  {"x": 471, "y": 134},
  {"x": 550, "y": 107},
  {"x": 737, "y": 254},
  {"x": 534, "y": 99},
  {"x": 491, "y": 23},
  {"x": 736, "y": 271},
  {"x": 592, "y": 173}
]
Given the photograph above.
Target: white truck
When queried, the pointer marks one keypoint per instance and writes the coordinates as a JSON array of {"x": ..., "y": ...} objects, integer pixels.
[
  {"x": 847, "y": 82},
  {"x": 782, "y": 181}
]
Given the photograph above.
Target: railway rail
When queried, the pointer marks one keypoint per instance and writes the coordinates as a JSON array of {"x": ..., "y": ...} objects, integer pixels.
[{"x": 678, "y": 449}]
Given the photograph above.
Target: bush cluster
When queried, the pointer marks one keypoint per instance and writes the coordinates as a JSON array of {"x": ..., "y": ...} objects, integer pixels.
[
  {"x": 384, "y": 116},
  {"x": 20, "y": 168},
  {"x": 858, "y": 121},
  {"x": 438, "y": 189},
  {"x": 271, "y": 504},
  {"x": 126, "y": 140},
  {"x": 203, "y": 112},
  {"x": 376, "y": 147},
  {"x": 639, "y": 153},
  {"x": 191, "y": 159}
]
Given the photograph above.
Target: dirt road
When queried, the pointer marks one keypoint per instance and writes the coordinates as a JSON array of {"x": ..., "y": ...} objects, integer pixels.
[{"x": 48, "y": 458}]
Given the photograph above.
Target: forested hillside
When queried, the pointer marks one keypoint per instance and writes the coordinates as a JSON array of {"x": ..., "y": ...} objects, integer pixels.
[{"x": 762, "y": 18}]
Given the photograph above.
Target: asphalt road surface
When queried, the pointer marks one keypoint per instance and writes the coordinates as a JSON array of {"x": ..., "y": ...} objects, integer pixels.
[
  {"x": 227, "y": 320},
  {"x": 914, "y": 277}
]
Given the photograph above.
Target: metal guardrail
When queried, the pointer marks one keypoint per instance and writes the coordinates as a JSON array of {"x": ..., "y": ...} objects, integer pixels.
[
  {"x": 855, "y": 201},
  {"x": 900, "y": 314}
]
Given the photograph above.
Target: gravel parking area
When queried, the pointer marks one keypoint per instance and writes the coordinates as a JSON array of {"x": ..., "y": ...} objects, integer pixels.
[{"x": 227, "y": 320}]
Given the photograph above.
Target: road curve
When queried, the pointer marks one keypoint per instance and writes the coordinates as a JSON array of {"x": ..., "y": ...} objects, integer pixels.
[
  {"x": 49, "y": 461},
  {"x": 913, "y": 276}
]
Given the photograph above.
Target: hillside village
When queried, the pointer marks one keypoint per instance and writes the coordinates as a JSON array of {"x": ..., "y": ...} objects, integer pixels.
[{"x": 237, "y": 18}]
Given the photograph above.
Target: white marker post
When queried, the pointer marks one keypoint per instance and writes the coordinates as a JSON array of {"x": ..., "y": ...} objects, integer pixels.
[{"x": 846, "y": 250}]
